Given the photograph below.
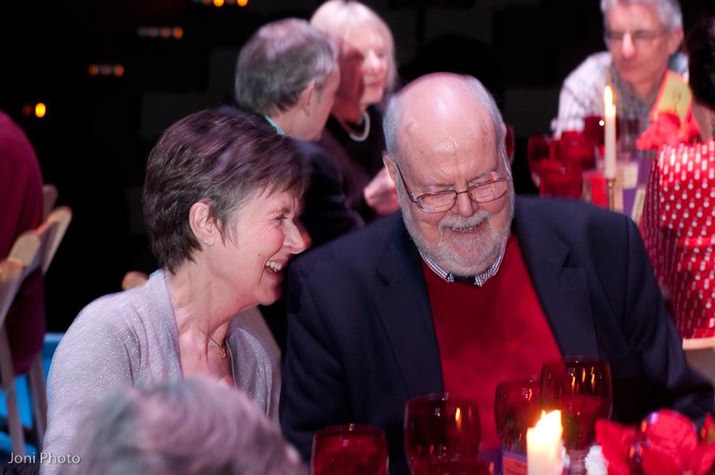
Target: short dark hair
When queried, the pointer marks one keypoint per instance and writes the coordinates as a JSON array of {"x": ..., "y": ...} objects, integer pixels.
[
  {"x": 700, "y": 48},
  {"x": 219, "y": 155}
]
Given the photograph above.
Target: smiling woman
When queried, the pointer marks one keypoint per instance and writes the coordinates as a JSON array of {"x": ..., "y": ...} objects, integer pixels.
[
  {"x": 353, "y": 133},
  {"x": 221, "y": 201}
]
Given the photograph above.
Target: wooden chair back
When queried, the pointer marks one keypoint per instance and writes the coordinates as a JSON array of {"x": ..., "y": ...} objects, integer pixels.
[
  {"x": 32, "y": 250},
  {"x": 49, "y": 198}
]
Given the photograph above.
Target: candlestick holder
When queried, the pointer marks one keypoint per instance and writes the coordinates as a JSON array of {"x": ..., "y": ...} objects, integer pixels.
[{"x": 611, "y": 191}]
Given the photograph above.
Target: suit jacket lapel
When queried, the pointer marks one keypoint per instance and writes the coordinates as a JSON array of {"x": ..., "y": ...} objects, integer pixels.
[
  {"x": 562, "y": 288},
  {"x": 403, "y": 307}
]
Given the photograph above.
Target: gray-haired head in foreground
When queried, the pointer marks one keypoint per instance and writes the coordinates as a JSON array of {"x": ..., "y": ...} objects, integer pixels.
[
  {"x": 393, "y": 116},
  {"x": 669, "y": 11},
  {"x": 193, "y": 427},
  {"x": 218, "y": 155},
  {"x": 278, "y": 62}
]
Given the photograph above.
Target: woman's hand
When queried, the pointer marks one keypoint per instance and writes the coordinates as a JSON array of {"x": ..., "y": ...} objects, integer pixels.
[{"x": 381, "y": 194}]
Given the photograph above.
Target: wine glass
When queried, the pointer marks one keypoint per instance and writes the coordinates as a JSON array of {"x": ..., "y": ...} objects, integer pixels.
[
  {"x": 517, "y": 406},
  {"x": 540, "y": 148},
  {"x": 581, "y": 388},
  {"x": 350, "y": 449},
  {"x": 562, "y": 179},
  {"x": 442, "y": 436}
]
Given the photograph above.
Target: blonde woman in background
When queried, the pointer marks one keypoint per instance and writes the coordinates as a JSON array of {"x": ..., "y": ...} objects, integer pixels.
[{"x": 353, "y": 133}]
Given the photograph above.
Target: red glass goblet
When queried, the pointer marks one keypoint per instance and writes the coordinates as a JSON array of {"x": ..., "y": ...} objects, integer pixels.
[
  {"x": 561, "y": 179},
  {"x": 540, "y": 148},
  {"x": 350, "y": 449},
  {"x": 517, "y": 406},
  {"x": 442, "y": 436},
  {"x": 581, "y": 388}
]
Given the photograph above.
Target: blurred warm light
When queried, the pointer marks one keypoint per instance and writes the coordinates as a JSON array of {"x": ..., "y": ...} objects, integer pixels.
[
  {"x": 221, "y": 3},
  {"x": 115, "y": 69},
  {"x": 163, "y": 32},
  {"x": 40, "y": 110}
]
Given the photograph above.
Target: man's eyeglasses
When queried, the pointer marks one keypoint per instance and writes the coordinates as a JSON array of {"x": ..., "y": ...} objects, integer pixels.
[
  {"x": 443, "y": 201},
  {"x": 640, "y": 38}
]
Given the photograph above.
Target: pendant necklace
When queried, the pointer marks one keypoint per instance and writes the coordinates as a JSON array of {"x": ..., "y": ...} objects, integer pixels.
[{"x": 222, "y": 350}]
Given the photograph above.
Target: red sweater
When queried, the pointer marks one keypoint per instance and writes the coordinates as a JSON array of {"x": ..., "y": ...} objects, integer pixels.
[{"x": 489, "y": 334}]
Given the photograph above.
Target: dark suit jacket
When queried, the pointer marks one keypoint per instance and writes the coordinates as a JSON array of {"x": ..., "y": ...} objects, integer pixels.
[
  {"x": 358, "y": 162},
  {"x": 326, "y": 214},
  {"x": 361, "y": 340}
]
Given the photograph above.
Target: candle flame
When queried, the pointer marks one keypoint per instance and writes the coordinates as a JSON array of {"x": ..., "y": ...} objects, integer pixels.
[
  {"x": 609, "y": 107},
  {"x": 550, "y": 422}
]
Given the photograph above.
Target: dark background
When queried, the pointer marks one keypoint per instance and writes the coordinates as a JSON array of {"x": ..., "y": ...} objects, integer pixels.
[{"x": 93, "y": 142}]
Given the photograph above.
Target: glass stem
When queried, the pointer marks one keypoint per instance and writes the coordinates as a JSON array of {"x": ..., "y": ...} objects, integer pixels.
[{"x": 577, "y": 462}]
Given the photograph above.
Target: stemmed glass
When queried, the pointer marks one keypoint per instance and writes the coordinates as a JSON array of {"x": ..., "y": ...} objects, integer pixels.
[
  {"x": 581, "y": 388},
  {"x": 350, "y": 449},
  {"x": 517, "y": 406},
  {"x": 442, "y": 436},
  {"x": 540, "y": 148}
]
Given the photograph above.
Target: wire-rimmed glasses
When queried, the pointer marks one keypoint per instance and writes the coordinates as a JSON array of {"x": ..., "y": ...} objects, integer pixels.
[
  {"x": 442, "y": 201},
  {"x": 639, "y": 38}
]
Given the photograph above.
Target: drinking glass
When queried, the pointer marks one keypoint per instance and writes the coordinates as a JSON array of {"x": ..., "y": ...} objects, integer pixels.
[
  {"x": 350, "y": 449},
  {"x": 517, "y": 406},
  {"x": 442, "y": 436},
  {"x": 561, "y": 179},
  {"x": 540, "y": 148},
  {"x": 576, "y": 148},
  {"x": 593, "y": 129},
  {"x": 581, "y": 388}
]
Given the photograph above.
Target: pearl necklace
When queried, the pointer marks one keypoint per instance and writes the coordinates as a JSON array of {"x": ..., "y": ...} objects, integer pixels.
[{"x": 351, "y": 132}]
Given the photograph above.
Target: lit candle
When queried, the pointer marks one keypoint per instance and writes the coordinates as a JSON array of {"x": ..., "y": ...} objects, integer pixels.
[
  {"x": 609, "y": 112},
  {"x": 543, "y": 445}
]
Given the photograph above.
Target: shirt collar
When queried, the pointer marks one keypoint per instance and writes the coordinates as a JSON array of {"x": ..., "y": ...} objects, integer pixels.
[
  {"x": 275, "y": 125},
  {"x": 479, "y": 279}
]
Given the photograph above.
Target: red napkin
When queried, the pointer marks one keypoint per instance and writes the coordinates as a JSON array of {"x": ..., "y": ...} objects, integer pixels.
[
  {"x": 667, "y": 443},
  {"x": 668, "y": 130}
]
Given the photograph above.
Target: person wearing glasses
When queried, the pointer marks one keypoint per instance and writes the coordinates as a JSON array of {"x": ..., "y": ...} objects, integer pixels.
[
  {"x": 643, "y": 39},
  {"x": 469, "y": 286}
]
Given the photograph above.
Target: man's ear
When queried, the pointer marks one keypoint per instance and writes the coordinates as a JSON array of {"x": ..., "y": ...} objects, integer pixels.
[
  {"x": 307, "y": 98},
  {"x": 203, "y": 223},
  {"x": 390, "y": 165},
  {"x": 675, "y": 39}
]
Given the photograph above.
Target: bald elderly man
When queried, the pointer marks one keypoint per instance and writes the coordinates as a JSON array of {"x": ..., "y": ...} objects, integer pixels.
[{"x": 469, "y": 286}]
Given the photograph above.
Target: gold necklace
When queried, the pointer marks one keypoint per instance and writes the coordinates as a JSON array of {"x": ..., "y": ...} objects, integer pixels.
[{"x": 222, "y": 348}]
